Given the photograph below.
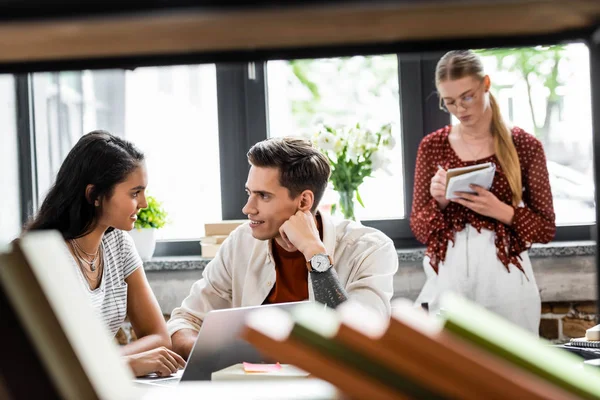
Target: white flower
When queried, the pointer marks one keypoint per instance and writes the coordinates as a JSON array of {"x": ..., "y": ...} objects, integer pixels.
[
  {"x": 389, "y": 142},
  {"x": 326, "y": 140},
  {"x": 338, "y": 145},
  {"x": 369, "y": 138},
  {"x": 386, "y": 130},
  {"x": 368, "y": 142},
  {"x": 354, "y": 151},
  {"x": 380, "y": 161},
  {"x": 353, "y": 134},
  {"x": 387, "y": 139}
]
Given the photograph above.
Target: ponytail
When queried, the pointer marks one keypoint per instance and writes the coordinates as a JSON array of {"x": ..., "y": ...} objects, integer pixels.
[{"x": 506, "y": 153}]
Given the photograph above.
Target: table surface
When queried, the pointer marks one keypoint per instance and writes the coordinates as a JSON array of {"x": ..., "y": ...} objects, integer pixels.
[{"x": 313, "y": 389}]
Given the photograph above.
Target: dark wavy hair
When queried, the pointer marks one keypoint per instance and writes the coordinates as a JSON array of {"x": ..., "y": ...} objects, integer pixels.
[{"x": 100, "y": 159}]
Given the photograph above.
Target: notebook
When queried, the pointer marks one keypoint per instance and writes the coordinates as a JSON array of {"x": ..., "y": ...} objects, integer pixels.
[
  {"x": 459, "y": 179},
  {"x": 238, "y": 372},
  {"x": 585, "y": 342}
]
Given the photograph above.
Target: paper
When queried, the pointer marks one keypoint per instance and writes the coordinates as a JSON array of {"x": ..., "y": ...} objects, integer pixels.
[
  {"x": 237, "y": 372},
  {"x": 459, "y": 179},
  {"x": 593, "y": 333},
  {"x": 248, "y": 367}
]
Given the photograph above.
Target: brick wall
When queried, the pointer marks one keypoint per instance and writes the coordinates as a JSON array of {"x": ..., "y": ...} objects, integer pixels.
[{"x": 562, "y": 321}]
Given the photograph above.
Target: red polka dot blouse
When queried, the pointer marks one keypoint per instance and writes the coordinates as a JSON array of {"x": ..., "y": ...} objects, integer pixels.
[{"x": 533, "y": 222}]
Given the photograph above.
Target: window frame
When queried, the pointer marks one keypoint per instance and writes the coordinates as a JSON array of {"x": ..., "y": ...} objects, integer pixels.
[{"x": 26, "y": 146}]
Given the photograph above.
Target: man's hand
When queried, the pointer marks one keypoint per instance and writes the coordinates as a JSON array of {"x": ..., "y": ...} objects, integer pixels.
[
  {"x": 183, "y": 341},
  {"x": 486, "y": 203},
  {"x": 300, "y": 233}
]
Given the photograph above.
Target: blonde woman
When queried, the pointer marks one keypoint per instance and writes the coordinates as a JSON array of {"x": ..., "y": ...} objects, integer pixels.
[{"x": 477, "y": 244}]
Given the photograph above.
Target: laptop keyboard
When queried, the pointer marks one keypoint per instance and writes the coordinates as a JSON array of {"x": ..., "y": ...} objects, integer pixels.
[{"x": 154, "y": 379}]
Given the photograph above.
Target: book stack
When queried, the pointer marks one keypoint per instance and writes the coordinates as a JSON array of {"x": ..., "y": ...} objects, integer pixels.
[
  {"x": 215, "y": 234},
  {"x": 591, "y": 339},
  {"x": 468, "y": 353}
]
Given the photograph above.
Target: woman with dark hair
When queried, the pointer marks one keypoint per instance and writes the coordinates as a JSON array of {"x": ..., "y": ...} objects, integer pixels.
[
  {"x": 477, "y": 243},
  {"x": 99, "y": 189}
]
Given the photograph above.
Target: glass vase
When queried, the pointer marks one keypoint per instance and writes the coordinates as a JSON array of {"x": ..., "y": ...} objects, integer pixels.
[{"x": 347, "y": 204}]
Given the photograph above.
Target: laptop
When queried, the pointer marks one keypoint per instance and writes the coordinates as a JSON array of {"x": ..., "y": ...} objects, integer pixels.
[{"x": 218, "y": 346}]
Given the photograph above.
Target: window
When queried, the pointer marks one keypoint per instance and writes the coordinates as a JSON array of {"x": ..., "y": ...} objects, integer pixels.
[
  {"x": 180, "y": 138},
  {"x": 175, "y": 128},
  {"x": 10, "y": 216},
  {"x": 172, "y": 114},
  {"x": 554, "y": 104},
  {"x": 342, "y": 92},
  {"x": 67, "y": 105}
]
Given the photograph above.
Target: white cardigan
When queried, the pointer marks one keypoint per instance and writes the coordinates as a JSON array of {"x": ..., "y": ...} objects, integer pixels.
[{"x": 243, "y": 272}]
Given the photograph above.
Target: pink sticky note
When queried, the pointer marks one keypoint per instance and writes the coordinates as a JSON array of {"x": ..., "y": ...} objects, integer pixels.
[{"x": 248, "y": 367}]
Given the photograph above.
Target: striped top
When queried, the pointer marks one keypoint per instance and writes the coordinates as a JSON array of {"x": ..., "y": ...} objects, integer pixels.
[{"x": 110, "y": 298}]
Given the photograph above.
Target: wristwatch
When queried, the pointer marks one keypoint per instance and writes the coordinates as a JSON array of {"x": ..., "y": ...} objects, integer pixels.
[{"x": 319, "y": 263}]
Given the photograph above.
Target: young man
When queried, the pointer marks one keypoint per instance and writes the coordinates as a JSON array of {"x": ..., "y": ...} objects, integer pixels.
[{"x": 288, "y": 251}]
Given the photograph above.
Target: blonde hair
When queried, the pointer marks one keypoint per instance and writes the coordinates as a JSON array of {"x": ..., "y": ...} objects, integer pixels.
[{"x": 463, "y": 63}]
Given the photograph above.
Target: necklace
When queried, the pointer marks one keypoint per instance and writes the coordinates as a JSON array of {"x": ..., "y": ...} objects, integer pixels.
[
  {"x": 78, "y": 253},
  {"x": 89, "y": 276},
  {"x": 475, "y": 156}
]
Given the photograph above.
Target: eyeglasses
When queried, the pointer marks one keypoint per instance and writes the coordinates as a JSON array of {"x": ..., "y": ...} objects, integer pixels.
[{"x": 465, "y": 101}]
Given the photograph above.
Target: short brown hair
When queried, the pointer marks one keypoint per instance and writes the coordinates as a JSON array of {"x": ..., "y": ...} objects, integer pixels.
[{"x": 301, "y": 165}]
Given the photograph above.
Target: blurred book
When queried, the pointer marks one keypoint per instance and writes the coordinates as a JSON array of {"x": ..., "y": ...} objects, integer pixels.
[
  {"x": 216, "y": 239},
  {"x": 460, "y": 179},
  {"x": 58, "y": 346},
  {"x": 209, "y": 250},
  {"x": 319, "y": 327},
  {"x": 488, "y": 331},
  {"x": 222, "y": 228},
  {"x": 458, "y": 368},
  {"x": 270, "y": 331},
  {"x": 215, "y": 234},
  {"x": 469, "y": 353}
]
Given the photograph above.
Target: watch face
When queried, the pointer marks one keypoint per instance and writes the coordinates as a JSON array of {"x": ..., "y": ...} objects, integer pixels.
[{"x": 320, "y": 263}]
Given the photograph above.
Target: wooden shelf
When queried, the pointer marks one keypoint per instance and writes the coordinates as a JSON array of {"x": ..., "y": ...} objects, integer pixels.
[{"x": 194, "y": 31}]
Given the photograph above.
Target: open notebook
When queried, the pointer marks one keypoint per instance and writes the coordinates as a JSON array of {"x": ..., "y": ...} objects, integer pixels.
[
  {"x": 585, "y": 342},
  {"x": 58, "y": 347},
  {"x": 459, "y": 179}
]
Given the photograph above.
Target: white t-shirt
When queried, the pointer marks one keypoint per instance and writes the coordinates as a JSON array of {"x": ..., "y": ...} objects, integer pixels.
[{"x": 110, "y": 298}]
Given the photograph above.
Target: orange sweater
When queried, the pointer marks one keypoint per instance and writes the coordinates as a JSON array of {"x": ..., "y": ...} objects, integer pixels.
[{"x": 291, "y": 282}]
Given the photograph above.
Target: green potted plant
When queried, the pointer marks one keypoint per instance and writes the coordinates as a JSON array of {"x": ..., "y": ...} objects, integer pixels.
[{"x": 149, "y": 219}]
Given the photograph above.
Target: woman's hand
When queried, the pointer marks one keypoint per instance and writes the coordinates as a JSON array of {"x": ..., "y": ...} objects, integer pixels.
[
  {"x": 487, "y": 204},
  {"x": 161, "y": 360},
  {"x": 438, "y": 188}
]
